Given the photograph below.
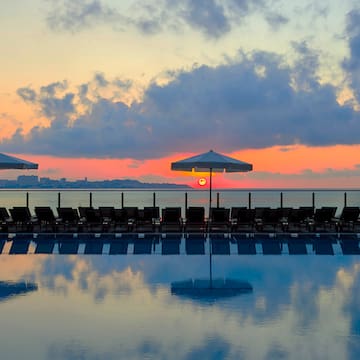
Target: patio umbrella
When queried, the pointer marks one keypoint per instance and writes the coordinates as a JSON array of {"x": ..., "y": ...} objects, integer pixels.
[
  {"x": 213, "y": 162},
  {"x": 10, "y": 162}
]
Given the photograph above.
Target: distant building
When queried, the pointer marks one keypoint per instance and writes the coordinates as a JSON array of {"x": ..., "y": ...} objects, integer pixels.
[{"x": 27, "y": 180}]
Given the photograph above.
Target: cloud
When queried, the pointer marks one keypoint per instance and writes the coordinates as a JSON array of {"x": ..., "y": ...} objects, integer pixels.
[
  {"x": 352, "y": 64},
  {"x": 207, "y": 16},
  {"x": 212, "y": 18},
  {"x": 276, "y": 20},
  {"x": 76, "y": 15},
  {"x": 27, "y": 94},
  {"x": 309, "y": 173},
  {"x": 254, "y": 101}
]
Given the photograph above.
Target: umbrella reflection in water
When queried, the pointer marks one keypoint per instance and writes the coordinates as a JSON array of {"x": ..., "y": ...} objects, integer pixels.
[
  {"x": 204, "y": 290},
  {"x": 9, "y": 289},
  {"x": 210, "y": 290}
]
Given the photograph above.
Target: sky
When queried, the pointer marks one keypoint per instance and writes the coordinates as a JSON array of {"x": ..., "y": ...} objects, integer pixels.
[{"x": 106, "y": 89}]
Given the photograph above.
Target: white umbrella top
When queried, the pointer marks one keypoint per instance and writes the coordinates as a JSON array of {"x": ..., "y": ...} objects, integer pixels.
[
  {"x": 10, "y": 162},
  {"x": 211, "y": 160}
]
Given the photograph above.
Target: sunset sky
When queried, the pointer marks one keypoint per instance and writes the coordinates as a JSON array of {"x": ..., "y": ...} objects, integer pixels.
[{"x": 120, "y": 89}]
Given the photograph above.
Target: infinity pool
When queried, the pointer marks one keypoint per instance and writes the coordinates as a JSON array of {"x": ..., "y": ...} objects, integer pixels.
[{"x": 121, "y": 307}]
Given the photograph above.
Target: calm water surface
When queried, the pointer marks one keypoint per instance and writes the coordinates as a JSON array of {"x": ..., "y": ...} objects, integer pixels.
[{"x": 121, "y": 307}]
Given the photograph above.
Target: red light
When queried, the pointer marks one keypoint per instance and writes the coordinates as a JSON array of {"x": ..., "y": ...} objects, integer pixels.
[{"x": 202, "y": 181}]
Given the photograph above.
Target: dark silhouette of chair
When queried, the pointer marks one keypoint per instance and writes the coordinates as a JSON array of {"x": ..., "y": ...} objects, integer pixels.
[
  {"x": 259, "y": 211},
  {"x": 45, "y": 219},
  {"x": 5, "y": 220},
  {"x": 271, "y": 220},
  {"x": 21, "y": 218},
  {"x": 245, "y": 221},
  {"x": 307, "y": 211},
  {"x": 69, "y": 219},
  {"x": 219, "y": 220},
  {"x": 148, "y": 219},
  {"x": 121, "y": 221},
  {"x": 171, "y": 220},
  {"x": 82, "y": 211},
  {"x": 132, "y": 214},
  {"x": 299, "y": 219},
  {"x": 324, "y": 219},
  {"x": 91, "y": 218},
  {"x": 235, "y": 212},
  {"x": 195, "y": 219},
  {"x": 107, "y": 214},
  {"x": 4, "y": 215},
  {"x": 348, "y": 219}
]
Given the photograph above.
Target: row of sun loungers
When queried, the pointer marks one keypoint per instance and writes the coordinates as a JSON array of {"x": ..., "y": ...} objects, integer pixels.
[{"x": 171, "y": 220}]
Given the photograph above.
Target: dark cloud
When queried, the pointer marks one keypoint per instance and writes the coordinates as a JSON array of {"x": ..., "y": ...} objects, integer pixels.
[
  {"x": 207, "y": 16},
  {"x": 27, "y": 94},
  {"x": 352, "y": 64},
  {"x": 254, "y": 102},
  {"x": 276, "y": 20},
  {"x": 75, "y": 15},
  {"x": 213, "y": 18}
]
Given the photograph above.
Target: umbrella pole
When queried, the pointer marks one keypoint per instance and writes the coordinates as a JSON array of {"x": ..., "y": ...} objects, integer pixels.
[
  {"x": 211, "y": 284},
  {"x": 210, "y": 189},
  {"x": 210, "y": 257}
]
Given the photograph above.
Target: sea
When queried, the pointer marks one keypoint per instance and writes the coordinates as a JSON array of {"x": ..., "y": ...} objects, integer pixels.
[
  {"x": 163, "y": 198},
  {"x": 83, "y": 306}
]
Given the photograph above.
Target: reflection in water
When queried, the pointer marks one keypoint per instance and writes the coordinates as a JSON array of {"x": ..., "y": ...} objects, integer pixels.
[
  {"x": 210, "y": 291},
  {"x": 10, "y": 289},
  {"x": 91, "y": 307}
]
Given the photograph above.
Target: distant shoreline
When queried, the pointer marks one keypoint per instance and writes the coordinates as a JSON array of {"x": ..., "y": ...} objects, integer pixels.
[
  {"x": 33, "y": 182},
  {"x": 177, "y": 188}
]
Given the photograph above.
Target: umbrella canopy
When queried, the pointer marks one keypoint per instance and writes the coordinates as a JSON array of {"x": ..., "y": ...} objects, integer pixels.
[
  {"x": 10, "y": 162},
  {"x": 213, "y": 162}
]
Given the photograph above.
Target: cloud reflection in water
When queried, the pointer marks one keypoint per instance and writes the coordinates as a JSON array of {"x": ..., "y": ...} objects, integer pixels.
[{"x": 109, "y": 307}]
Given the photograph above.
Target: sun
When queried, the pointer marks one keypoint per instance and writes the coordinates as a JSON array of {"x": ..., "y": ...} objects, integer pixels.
[{"x": 202, "y": 181}]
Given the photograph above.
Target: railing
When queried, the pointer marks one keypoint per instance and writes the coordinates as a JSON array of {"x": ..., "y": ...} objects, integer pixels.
[{"x": 163, "y": 198}]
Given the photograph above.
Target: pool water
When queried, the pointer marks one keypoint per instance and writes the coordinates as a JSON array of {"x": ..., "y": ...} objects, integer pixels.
[{"x": 122, "y": 307}]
